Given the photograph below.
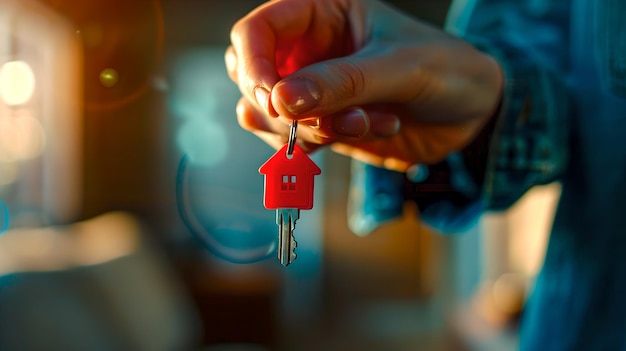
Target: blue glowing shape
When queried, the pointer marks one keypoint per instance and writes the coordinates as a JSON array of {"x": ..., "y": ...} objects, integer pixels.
[
  {"x": 188, "y": 108},
  {"x": 203, "y": 141},
  {"x": 228, "y": 221},
  {"x": 4, "y": 218},
  {"x": 417, "y": 173}
]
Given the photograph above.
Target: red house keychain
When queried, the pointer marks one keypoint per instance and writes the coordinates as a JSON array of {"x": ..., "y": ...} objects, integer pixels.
[{"x": 288, "y": 188}]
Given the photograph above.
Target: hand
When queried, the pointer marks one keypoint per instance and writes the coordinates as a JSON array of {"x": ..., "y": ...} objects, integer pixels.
[{"x": 370, "y": 81}]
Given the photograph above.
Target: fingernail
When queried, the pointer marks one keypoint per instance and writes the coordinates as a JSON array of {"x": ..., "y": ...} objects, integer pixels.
[
  {"x": 385, "y": 125},
  {"x": 298, "y": 95},
  {"x": 314, "y": 123},
  {"x": 262, "y": 96},
  {"x": 352, "y": 124}
]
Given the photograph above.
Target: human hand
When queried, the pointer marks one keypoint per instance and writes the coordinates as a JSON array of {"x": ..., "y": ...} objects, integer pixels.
[{"x": 370, "y": 81}]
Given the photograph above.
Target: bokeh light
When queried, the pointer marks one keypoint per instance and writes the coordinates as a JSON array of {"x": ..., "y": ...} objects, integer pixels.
[
  {"x": 22, "y": 137},
  {"x": 417, "y": 173},
  {"x": 204, "y": 142},
  {"x": 229, "y": 222},
  {"x": 17, "y": 82},
  {"x": 219, "y": 190},
  {"x": 8, "y": 173},
  {"x": 109, "y": 77}
]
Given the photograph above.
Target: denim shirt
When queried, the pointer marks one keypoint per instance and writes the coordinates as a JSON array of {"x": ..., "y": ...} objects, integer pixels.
[{"x": 563, "y": 118}]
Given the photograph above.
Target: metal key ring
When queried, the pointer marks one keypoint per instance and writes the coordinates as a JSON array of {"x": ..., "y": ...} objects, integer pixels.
[{"x": 292, "y": 137}]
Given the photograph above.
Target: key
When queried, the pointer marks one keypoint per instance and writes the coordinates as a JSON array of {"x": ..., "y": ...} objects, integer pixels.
[
  {"x": 286, "y": 220},
  {"x": 289, "y": 177}
]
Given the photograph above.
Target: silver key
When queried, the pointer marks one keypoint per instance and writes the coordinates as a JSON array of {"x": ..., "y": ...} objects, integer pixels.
[
  {"x": 286, "y": 220},
  {"x": 288, "y": 189}
]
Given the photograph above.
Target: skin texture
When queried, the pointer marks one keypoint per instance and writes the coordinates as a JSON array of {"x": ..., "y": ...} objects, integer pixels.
[{"x": 362, "y": 77}]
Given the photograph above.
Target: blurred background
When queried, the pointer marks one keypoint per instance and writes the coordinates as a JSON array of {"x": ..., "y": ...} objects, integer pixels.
[{"x": 131, "y": 212}]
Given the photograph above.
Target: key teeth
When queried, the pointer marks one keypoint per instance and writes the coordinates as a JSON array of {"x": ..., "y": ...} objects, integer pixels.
[
  {"x": 286, "y": 220},
  {"x": 294, "y": 244}
]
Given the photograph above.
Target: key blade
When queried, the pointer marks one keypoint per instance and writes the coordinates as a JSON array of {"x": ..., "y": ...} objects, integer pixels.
[
  {"x": 286, "y": 220},
  {"x": 286, "y": 245}
]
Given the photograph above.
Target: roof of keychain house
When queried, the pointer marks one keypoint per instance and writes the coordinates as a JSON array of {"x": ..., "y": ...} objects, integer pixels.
[{"x": 289, "y": 180}]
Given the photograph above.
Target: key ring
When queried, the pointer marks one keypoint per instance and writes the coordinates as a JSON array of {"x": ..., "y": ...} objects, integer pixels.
[{"x": 292, "y": 138}]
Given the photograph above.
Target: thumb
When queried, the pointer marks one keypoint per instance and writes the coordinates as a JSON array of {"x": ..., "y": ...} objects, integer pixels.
[{"x": 330, "y": 86}]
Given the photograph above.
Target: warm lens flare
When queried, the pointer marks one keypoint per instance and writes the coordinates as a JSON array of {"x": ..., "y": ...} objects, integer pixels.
[
  {"x": 22, "y": 137},
  {"x": 17, "y": 83},
  {"x": 109, "y": 77}
]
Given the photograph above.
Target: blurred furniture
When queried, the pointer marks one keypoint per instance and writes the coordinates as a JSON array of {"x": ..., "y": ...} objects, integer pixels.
[
  {"x": 94, "y": 285},
  {"x": 41, "y": 119}
]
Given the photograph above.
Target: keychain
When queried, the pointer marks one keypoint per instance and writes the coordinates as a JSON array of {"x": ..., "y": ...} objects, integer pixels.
[{"x": 288, "y": 188}]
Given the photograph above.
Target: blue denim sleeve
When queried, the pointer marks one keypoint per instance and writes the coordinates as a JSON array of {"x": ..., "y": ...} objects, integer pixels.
[{"x": 529, "y": 144}]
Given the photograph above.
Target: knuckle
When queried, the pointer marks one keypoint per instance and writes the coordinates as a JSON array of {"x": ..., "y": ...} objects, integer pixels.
[
  {"x": 237, "y": 29},
  {"x": 351, "y": 78}
]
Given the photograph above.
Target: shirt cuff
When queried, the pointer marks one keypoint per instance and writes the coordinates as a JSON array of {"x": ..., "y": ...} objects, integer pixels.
[
  {"x": 530, "y": 142},
  {"x": 528, "y": 146}
]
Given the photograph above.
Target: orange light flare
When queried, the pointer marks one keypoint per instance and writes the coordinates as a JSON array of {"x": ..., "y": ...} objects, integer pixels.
[{"x": 124, "y": 36}]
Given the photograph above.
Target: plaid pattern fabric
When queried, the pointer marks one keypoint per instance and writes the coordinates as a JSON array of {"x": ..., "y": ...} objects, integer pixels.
[
  {"x": 562, "y": 118},
  {"x": 610, "y": 35},
  {"x": 530, "y": 143}
]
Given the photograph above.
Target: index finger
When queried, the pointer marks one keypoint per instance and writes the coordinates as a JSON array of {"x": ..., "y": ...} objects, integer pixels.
[{"x": 255, "y": 38}]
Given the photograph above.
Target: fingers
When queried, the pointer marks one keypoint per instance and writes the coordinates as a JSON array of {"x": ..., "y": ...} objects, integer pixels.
[
  {"x": 230, "y": 58},
  {"x": 252, "y": 119},
  {"x": 331, "y": 64},
  {"x": 275, "y": 131},
  {"x": 370, "y": 154},
  {"x": 264, "y": 42},
  {"x": 253, "y": 45},
  {"x": 351, "y": 125},
  {"x": 370, "y": 76},
  {"x": 383, "y": 123}
]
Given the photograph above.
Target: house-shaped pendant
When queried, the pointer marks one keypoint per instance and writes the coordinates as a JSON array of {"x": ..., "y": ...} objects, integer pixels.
[{"x": 289, "y": 180}]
